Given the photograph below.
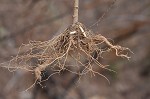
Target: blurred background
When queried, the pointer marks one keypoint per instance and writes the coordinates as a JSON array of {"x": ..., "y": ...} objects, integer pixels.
[{"x": 127, "y": 23}]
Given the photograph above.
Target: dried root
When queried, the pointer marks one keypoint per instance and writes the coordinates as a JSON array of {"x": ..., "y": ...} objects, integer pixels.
[{"x": 72, "y": 50}]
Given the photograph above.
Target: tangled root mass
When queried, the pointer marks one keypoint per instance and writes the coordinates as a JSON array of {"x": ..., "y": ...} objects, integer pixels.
[{"x": 71, "y": 50}]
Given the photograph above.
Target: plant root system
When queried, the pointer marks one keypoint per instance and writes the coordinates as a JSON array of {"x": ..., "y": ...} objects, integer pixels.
[{"x": 77, "y": 47}]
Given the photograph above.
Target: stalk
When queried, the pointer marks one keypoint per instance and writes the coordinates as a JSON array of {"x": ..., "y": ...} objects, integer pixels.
[{"x": 76, "y": 11}]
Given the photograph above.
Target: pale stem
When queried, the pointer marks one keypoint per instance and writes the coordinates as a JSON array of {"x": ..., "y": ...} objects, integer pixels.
[{"x": 76, "y": 11}]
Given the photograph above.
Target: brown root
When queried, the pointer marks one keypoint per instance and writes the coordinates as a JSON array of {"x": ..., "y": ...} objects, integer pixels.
[{"x": 72, "y": 50}]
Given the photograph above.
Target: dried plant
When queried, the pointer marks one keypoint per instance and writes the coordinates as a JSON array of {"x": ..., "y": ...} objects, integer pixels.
[{"x": 67, "y": 51}]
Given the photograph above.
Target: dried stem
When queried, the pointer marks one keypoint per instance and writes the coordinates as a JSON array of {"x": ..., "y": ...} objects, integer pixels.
[{"x": 76, "y": 11}]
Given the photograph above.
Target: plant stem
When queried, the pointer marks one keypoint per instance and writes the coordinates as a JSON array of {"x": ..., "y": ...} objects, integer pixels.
[{"x": 76, "y": 11}]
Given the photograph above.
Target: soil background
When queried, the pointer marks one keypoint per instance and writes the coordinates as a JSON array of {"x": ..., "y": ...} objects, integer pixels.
[{"x": 127, "y": 23}]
